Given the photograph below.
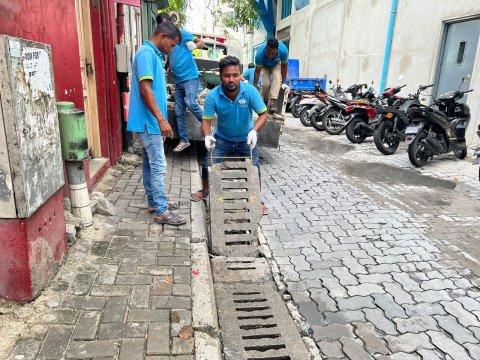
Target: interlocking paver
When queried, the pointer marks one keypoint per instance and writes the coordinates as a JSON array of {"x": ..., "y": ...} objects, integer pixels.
[
  {"x": 374, "y": 343},
  {"x": 378, "y": 319},
  {"x": 448, "y": 346}
]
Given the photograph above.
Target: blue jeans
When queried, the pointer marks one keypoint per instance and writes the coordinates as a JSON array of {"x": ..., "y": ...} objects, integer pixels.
[
  {"x": 225, "y": 147},
  {"x": 186, "y": 97},
  {"x": 154, "y": 171}
]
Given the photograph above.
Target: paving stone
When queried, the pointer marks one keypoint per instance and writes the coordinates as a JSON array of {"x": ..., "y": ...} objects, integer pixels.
[
  {"x": 354, "y": 349},
  {"x": 171, "y": 302},
  {"x": 151, "y": 315},
  {"x": 364, "y": 290},
  {"x": 332, "y": 332},
  {"x": 110, "y": 290},
  {"x": 375, "y": 278},
  {"x": 344, "y": 317},
  {"x": 424, "y": 309},
  {"x": 115, "y": 309},
  {"x": 344, "y": 276},
  {"x": 463, "y": 316},
  {"x": 408, "y": 342},
  {"x": 416, "y": 324},
  {"x": 25, "y": 349},
  {"x": 323, "y": 300},
  {"x": 92, "y": 349},
  {"x": 60, "y": 316},
  {"x": 406, "y": 281},
  {"x": 383, "y": 268},
  {"x": 430, "y": 354},
  {"x": 431, "y": 296},
  {"x": 180, "y": 346},
  {"x": 469, "y": 303},
  {"x": 400, "y": 295},
  {"x": 438, "y": 284},
  {"x": 132, "y": 349},
  {"x": 56, "y": 342},
  {"x": 310, "y": 312},
  {"x": 331, "y": 349},
  {"x": 82, "y": 283},
  {"x": 84, "y": 302},
  {"x": 373, "y": 341},
  {"x": 378, "y": 319},
  {"x": 87, "y": 325},
  {"x": 474, "y": 350},
  {"x": 459, "y": 333},
  {"x": 400, "y": 356},
  {"x": 389, "y": 306},
  {"x": 140, "y": 297},
  {"x": 121, "y": 330},
  {"x": 354, "y": 266},
  {"x": 356, "y": 303},
  {"x": 335, "y": 290},
  {"x": 448, "y": 346},
  {"x": 315, "y": 274}
]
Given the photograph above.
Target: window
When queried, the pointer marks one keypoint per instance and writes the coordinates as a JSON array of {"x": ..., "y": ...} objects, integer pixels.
[
  {"x": 461, "y": 52},
  {"x": 286, "y": 8}
]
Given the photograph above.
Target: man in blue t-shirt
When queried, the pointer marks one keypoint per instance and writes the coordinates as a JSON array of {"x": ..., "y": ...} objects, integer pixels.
[
  {"x": 233, "y": 101},
  {"x": 187, "y": 82},
  {"x": 272, "y": 61},
  {"x": 148, "y": 117}
]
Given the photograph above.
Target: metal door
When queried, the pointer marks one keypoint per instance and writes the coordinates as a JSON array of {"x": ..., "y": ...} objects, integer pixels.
[{"x": 459, "y": 50}]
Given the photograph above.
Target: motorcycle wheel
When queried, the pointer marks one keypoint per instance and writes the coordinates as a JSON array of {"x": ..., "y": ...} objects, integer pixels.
[
  {"x": 316, "y": 122},
  {"x": 332, "y": 129},
  {"x": 385, "y": 140},
  {"x": 415, "y": 154},
  {"x": 294, "y": 111},
  {"x": 354, "y": 134},
  {"x": 304, "y": 119},
  {"x": 460, "y": 154}
]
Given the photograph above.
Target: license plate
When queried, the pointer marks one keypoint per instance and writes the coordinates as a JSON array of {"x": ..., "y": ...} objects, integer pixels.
[
  {"x": 409, "y": 139},
  {"x": 413, "y": 129}
]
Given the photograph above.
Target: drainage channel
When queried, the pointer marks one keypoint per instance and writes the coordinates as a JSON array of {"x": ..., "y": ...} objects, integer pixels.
[{"x": 254, "y": 320}]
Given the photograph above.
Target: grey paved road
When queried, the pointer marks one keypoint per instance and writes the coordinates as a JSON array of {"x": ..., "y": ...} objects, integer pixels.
[{"x": 382, "y": 261}]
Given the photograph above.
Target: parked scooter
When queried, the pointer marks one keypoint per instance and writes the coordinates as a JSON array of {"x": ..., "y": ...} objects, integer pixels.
[
  {"x": 476, "y": 154},
  {"x": 296, "y": 96},
  {"x": 438, "y": 131},
  {"x": 394, "y": 121},
  {"x": 308, "y": 102}
]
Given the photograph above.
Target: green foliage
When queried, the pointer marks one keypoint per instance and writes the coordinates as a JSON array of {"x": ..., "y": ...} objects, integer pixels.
[
  {"x": 245, "y": 14},
  {"x": 179, "y": 6}
]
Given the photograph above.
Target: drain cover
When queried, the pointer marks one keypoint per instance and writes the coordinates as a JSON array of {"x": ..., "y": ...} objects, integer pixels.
[
  {"x": 234, "y": 208},
  {"x": 240, "y": 269},
  {"x": 256, "y": 324}
]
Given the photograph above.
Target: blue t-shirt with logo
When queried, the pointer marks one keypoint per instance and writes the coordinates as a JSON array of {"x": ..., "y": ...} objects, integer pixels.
[
  {"x": 181, "y": 60},
  {"x": 261, "y": 58},
  {"x": 249, "y": 74},
  {"x": 234, "y": 118},
  {"x": 147, "y": 65}
]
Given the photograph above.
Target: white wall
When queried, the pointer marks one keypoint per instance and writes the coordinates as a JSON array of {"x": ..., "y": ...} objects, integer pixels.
[{"x": 345, "y": 39}]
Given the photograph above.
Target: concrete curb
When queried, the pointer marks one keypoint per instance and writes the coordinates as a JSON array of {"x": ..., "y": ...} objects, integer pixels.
[{"x": 204, "y": 309}]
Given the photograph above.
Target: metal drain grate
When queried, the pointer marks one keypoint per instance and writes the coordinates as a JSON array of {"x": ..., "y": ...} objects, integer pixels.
[
  {"x": 256, "y": 324},
  {"x": 234, "y": 208},
  {"x": 240, "y": 269}
]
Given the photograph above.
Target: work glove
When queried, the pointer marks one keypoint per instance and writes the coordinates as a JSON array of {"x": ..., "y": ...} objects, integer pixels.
[
  {"x": 252, "y": 139},
  {"x": 285, "y": 86},
  {"x": 191, "y": 45},
  {"x": 210, "y": 142}
]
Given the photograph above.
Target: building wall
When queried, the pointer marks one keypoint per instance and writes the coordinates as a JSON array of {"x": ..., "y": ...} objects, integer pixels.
[
  {"x": 32, "y": 20},
  {"x": 345, "y": 39}
]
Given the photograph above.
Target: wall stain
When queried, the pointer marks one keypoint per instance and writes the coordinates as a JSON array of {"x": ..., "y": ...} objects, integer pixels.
[
  {"x": 405, "y": 64},
  {"x": 5, "y": 192},
  {"x": 365, "y": 64}
]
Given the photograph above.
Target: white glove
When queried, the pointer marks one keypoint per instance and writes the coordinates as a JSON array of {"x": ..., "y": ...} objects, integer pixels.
[
  {"x": 285, "y": 86},
  {"x": 191, "y": 45},
  {"x": 252, "y": 139},
  {"x": 210, "y": 142}
]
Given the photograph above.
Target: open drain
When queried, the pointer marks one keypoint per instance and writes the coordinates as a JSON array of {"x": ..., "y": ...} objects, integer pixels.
[
  {"x": 234, "y": 208},
  {"x": 256, "y": 324}
]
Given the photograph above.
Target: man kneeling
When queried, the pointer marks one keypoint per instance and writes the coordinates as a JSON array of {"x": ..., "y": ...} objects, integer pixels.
[{"x": 233, "y": 101}]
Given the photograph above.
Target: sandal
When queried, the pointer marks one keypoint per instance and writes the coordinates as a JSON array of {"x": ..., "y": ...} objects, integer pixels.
[
  {"x": 195, "y": 197},
  {"x": 265, "y": 209},
  {"x": 171, "y": 206},
  {"x": 181, "y": 146},
  {"x": 171, "y": 219}
]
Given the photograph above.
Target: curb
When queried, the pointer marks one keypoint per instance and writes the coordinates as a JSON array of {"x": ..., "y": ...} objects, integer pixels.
[{"x": 204, "y": 309}]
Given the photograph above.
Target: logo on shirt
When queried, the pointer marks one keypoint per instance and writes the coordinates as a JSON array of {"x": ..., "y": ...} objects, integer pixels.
[{"x": 242, "y": 102}]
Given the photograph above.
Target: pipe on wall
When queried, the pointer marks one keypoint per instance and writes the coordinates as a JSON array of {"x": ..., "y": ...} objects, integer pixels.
[{"x": 388, "y": 45}]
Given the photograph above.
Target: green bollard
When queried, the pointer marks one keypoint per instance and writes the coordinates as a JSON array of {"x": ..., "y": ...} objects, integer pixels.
[{"x": 73, "y": 131}]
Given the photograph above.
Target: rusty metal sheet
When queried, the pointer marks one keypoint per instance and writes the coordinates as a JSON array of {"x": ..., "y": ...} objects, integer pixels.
[{"x": 30, "y": 122}]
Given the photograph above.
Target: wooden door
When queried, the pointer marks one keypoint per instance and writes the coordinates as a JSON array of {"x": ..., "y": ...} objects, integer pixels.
[{"x": 87, "y": 68}]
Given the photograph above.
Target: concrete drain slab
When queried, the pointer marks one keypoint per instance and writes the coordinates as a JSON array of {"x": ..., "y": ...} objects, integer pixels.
[
  {"x": 256, "y": 324},
  {"x": 235, "y": 208},
  {"x": 240, "y": 269}
]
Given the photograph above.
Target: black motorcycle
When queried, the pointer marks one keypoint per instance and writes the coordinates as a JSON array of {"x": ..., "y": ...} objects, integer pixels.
[
  {"x": 394, "y": 121},
  {"x": 440, "y": 130}
]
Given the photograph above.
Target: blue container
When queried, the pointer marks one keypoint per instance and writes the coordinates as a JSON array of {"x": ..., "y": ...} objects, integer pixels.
[
  {"x": 293, "y": 70},
  {"x": 307, "y": 83}
]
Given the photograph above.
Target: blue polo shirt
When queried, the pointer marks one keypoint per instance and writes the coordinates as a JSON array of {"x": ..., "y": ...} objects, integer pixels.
[
  {"x": 249, "y": 74},
  {"x": 181, "y": 60},
  {"x": 235, "y": 118},
  {"x": 261, "y": 58},
  {"x": 147, "y": 65}
]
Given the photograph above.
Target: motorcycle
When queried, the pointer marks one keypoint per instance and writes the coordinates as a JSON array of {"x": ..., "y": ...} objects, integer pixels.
[
  {"x": 394, "y": 121},
  {"x": 476, "y": 154},
  {"x": 364, "y": 119},
  {"x": 296, "y": 96},
  {"x": 308, "y": 103},
  {"x": 439, "y": 130}
]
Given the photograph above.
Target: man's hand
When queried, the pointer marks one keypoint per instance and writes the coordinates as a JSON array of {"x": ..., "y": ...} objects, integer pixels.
[
  {"x": 166, "y": 129},
  {"x": 252, "y": 139},
  {"x": 191, "y": 45},
  {"x": 210, "y": 142}
]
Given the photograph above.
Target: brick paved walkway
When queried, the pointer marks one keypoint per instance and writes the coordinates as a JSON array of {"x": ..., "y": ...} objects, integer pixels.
[
  {"x": 126, "y": 295},
  {"x": 366, "y": 275}
]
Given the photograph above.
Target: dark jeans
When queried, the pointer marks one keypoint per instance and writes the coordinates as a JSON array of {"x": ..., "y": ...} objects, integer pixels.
[{"x": 186, "y": 97}]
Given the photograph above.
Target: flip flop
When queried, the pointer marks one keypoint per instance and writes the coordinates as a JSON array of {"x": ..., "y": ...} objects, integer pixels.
[
  {"x": 204, "y": 196},
  {"x": 265, "y": 209},
  {"x": 171, "y": 206},
  {"x": 181, "y": 146},
  {"x": 171, "y": 219}
]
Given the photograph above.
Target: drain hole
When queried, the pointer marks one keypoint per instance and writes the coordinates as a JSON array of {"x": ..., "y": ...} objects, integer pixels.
[
  {"x": 236, "y": 221},
  {"x": 255, "y": 317},
  {"x": 246, "y": 293},
  {"x": 232, "y": 169},
  {"x": 239, "y": 261},
  {"x": 235, "y": 211},
  {"x": 244, "y": 301},
  {"x": 241, "y": 200},
  {"x": 250, "y": 309},
  {"x": 237, "y": 232},
  {"x": 263, "y": 348},
  {"x": 234, "y": 190},
  {"x": 257, "y": 326},
  {"x": 230, "y": 243},
  {"x": 241, "y": 268},
  {"x": 272, "y": 358},
  {"x": 266, "y": 336},
  {"x": 234, "y": 180}
]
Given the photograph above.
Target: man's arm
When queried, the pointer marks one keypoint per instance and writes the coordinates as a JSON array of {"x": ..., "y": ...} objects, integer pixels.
[
  {"x": 200, "y": 43},
  {"x": 206, "y": 127},
  {"x": 260, "y": 122},
  {"x": 284, "y": 72},
  {"x": 151, "y": 102},
  {"x": 256, "y": 76}
]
